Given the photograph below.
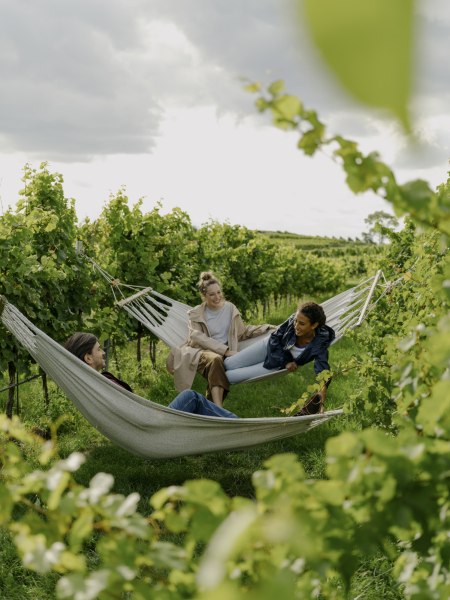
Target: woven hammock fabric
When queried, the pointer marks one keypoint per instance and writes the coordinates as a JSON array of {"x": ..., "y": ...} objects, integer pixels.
[
  {"x": 168, "y": 319},
  {"x": 138, "y": 425}
]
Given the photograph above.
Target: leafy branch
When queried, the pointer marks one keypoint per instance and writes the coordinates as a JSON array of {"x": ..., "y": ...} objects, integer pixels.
[{"x": 363, "y": 172}]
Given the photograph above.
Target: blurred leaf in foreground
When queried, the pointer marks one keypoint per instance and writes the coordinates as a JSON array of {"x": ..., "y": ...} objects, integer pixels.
[{"x": 369, "y": 46}]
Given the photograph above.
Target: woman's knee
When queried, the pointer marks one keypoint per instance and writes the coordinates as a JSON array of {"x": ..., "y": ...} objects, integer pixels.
[
  {"x": 226, "y": 363},
  {"x": 185, "y": 400},
  {"x": 234, "y": 376},
  {"x": 216, "y": 360}
]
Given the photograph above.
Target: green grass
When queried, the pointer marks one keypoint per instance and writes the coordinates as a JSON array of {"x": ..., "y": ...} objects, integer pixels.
[{"x": 374, "y": 581}]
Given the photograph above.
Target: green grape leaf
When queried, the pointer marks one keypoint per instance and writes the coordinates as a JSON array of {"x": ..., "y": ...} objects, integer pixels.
[
  {"x": 369, "y": 47},
  {"x": 287, "y": 107},
  {"x": 81, "y": 528},
  {"x": 252, "y": 87},
  {"x": 276, "y": 87},
  {"x": 6, "y": 504}
]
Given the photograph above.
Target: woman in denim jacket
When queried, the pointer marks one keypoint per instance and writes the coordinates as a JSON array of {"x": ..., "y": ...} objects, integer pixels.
[{"x": 302, "y": 338}]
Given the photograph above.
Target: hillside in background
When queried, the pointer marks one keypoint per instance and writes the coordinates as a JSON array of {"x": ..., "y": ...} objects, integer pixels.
[{"x": 322, "y": 246}]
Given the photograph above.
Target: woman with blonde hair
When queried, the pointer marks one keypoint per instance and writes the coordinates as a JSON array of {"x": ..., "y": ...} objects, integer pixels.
[{"x": 215, "y": 329}]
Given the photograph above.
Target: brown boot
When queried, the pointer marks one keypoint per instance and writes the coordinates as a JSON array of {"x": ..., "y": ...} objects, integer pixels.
[{"x": 313, "y": 406}]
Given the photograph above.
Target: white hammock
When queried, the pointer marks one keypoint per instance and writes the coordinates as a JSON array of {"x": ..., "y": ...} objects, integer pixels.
[
  {"x": 167, "y": 319},
  {"x": 139, "y": 425}
]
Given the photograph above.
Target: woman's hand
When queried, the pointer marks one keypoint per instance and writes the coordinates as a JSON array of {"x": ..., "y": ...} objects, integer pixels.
[
  {"x": 230, "y": 353},
  {"x": 291, "y": 367}
]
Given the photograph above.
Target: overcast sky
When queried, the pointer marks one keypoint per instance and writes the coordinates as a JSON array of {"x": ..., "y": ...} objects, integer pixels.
[{"x": 147, "y": 94}]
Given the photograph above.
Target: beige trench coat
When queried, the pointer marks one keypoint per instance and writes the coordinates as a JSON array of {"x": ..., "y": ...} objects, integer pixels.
[{"x": 183, "y": 361}]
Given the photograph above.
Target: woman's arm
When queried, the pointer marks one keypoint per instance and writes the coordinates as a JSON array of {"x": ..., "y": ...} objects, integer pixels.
[
  {"x": 321, "y": 361},
  {"x": 198, "y": 339},
  {"x": 321, "y": 364},
  {"x": 244, "y": 332},
  {"x": 251, "y": 331},
  {"x": 277, "y": 356},
  {"x": 291, "y": 366}
]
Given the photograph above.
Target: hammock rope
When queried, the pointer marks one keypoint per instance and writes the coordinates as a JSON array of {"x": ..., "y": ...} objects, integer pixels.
[{"x": 136, "y": 424}]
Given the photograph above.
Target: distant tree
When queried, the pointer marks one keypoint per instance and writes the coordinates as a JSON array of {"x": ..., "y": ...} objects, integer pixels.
[
  {"x": 379, "y": 222},
  {"x": 367, "y": 238}
]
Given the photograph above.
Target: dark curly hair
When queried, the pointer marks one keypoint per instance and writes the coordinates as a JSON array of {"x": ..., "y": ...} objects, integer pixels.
[{"x": 313, "y": 311}]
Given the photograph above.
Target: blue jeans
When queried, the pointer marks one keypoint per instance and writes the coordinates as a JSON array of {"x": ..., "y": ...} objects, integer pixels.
[
  {"x": 193, "y": 402},
  {"x": 247, "y": 363}
]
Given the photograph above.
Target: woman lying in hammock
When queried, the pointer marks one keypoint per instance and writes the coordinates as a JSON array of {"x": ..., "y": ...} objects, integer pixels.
[
  {"x": 215, "y": 328},
  {"x": 302, "y": 338}
]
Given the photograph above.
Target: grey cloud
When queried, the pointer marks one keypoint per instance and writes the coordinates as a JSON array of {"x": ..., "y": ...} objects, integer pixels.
[
  {"x": 422, "y": 155},
  {"x": 78, "y": 79},
  {"x": 433, "y": 66},
  {"x": 69, "y": 86},
  {"x": 352, "y": 124},
  {"x": 258, "y": 39},
  {"x": 263, "y": 39}
]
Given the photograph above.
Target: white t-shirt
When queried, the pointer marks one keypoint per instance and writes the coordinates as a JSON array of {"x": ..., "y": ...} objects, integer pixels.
[
  {"x": 296, "y": 351},
  {"x": 219, "y": 322}
]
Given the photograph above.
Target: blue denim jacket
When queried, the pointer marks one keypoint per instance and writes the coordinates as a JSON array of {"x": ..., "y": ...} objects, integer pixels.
[{"x": 283, "y": 338}]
